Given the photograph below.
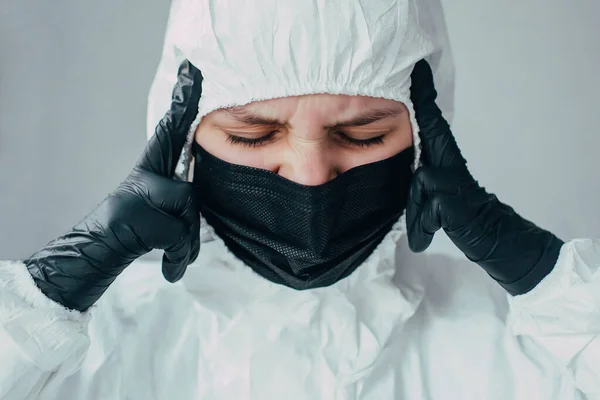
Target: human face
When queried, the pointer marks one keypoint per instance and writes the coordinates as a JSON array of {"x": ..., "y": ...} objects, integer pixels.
[{"x": 307, "y": 139}]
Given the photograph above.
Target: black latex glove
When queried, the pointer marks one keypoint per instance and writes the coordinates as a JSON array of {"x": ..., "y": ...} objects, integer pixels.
[
  {"x": 443, "y": 194},
  {"x": 149, "y": 210}
]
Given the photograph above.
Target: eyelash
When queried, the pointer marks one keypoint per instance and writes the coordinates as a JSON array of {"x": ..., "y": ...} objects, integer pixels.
[
  {"x": 247, "y": 142},
  {"x": 361, "y": 143}
]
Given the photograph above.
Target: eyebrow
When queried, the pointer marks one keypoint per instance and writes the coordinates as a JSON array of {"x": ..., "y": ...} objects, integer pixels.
[
  {"x": 368, "y": 117},
  {"x": 242, "y": 114}
]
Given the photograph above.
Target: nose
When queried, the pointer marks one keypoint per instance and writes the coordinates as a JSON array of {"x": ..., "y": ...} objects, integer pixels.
[{"x": 308, "y": 167}]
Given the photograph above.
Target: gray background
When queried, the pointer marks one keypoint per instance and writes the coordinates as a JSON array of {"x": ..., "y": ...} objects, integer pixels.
[{"x": 74, "y": 78}]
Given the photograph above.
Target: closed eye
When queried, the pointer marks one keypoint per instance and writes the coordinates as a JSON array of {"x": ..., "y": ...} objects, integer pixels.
[
  {"x": 341, "y": 136},
  {"x": 360, "y": 142},
  {"x": 251, "y": 142}
]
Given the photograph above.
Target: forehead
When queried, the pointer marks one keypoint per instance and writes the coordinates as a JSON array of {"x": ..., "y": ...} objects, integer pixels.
[{"x": 316, "y": 105}]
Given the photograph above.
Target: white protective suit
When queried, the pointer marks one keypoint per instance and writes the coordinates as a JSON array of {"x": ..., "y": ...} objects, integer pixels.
[{"x": 402, "y": 326}]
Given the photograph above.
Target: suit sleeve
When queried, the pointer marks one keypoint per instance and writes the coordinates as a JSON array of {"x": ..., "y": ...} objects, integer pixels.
[
  {"x": 41, "y": 342},
  {"x": 562, "y": 314}
]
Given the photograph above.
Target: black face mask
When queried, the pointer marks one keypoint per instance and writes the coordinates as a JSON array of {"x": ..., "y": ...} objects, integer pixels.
[{"x": 302, "y": 236}]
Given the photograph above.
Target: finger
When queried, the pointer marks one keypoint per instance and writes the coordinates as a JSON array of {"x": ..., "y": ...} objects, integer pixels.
[
  {"x": 438, "y": 144},
  {"x": 190, "y": 213},
  {"x": 175, "y": 198},
  {"x": 173, "y": 272},
  {"x": 430, "y": 187},
  {"x": 438, "y": 212},
  {"x": 164, "y": 149},
  {"x": 437, "y": 180},
  {"x": 195, "y": 234},
  {"x": 440, "y": 150},
  {"x": 422, "y": 90},
  {"x": 191, "y": 216},
  {"x": 176, "y": 259},
  {"x": 418, "y": 239}
]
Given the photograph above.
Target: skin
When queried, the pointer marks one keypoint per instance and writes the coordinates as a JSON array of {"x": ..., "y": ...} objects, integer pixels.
[{"x": 307, "y": 139}]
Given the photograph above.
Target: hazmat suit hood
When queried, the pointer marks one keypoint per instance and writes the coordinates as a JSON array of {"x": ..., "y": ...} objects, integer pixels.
[{"x": 264, "y": 49}]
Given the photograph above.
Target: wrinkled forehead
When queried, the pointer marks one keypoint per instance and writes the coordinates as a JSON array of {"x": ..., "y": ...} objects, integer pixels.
[{"x": 313, "y": 105}]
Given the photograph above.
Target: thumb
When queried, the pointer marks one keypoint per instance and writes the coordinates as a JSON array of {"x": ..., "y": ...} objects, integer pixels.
[
  {"x": 437, "y": 141},
  {"x": 176, "y": 259},
  {"x": 164, "y": 148},
  {"x": 419, "y": 238}
]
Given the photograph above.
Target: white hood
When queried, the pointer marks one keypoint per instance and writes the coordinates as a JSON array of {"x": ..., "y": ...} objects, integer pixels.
[{"x": 263, "y": 49}]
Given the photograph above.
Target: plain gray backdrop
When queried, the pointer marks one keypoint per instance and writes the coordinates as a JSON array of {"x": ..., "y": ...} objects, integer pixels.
[{"x": 75, "y": 75}]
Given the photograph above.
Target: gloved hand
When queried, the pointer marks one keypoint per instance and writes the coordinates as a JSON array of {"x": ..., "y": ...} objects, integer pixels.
[
  {"x": 149, "y": 210},
  {"x": 443, "y": 194}
]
